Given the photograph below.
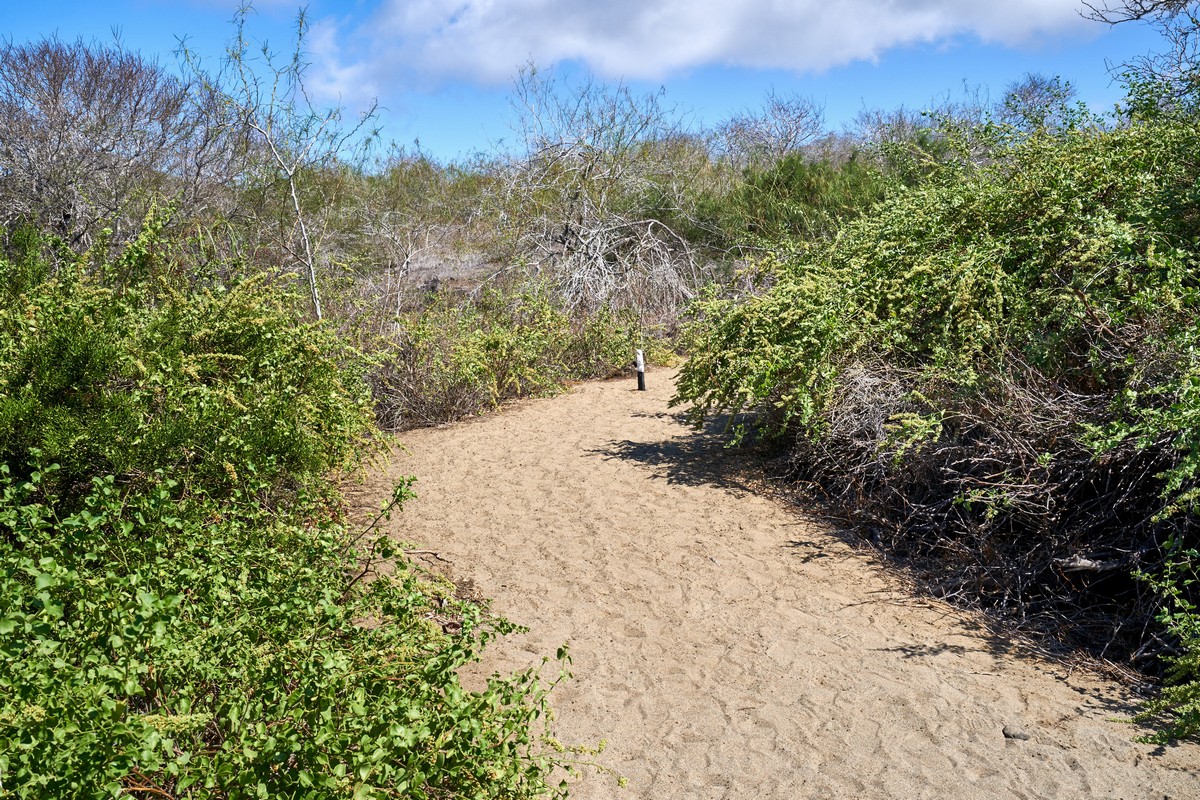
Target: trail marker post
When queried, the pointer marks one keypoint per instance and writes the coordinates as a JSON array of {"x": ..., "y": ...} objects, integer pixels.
[{"x": 640, "y": 363}]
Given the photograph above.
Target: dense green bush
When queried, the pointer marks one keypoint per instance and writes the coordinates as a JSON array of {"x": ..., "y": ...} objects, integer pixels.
[
  {"x": 216, "y": 650},
  {"x": 994, "y": 372},
  {"x": 1045, "y": 255},
  {"x": 461, "y": 356},
  {"x": 181, "y": 613},
  {"x": 152, "y": 378},
  {"x": 800, "y": 197}
]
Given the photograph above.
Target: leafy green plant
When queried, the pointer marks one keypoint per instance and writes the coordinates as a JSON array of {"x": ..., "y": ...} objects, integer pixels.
[
  {"x": 994, "y": 373},
  {"x": 182, "y": 613},
  {"x": 206, "y": 384},
  {"x": 1176, "y": 711},
  {"x": 1059, "y": 244},
  {"x": 459, "y": 357},
  {"x": 801, "y": 197},
  {"x": 203, "y": 649}
]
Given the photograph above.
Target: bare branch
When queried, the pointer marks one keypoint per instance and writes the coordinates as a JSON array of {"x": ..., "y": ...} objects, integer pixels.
[
  {"x": 1132, "y": 10},
  {"x": 784, "y": 125},
  {"x": 267, "y": 96},
  {"x": 574, "y": 201}
]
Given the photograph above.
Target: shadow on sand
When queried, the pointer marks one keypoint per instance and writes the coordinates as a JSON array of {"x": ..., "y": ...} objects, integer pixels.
[
  {"x": 702, "y": 457},
  {"x": 695, "y": 457}
]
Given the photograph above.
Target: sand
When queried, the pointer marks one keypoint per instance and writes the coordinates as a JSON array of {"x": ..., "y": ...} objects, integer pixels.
[{"x": 726, "y": 645}]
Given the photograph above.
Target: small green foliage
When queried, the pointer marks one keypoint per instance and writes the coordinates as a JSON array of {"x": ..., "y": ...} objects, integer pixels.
[
  {"x": 1176, "y": 711},
  {"x": 908, "y": 433},
  {"x": 459, "y": 357}
]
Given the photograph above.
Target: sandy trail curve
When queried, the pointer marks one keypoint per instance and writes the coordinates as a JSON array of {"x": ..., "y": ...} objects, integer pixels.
[{"x": 727, "y": 647}]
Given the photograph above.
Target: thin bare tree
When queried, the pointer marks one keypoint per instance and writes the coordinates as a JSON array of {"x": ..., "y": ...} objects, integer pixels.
[
  {"x": 784, "y": 124},
  {"x": 295, "y": 140},
  {"x": 580, "y": 199},
  {"x": 1037, "y": 102}
]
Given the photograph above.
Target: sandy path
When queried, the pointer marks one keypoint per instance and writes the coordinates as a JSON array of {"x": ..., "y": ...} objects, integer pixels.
[{"x": 725, "y": 646}]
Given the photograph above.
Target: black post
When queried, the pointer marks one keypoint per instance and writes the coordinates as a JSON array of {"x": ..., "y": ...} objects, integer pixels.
[{"x": 641, "y": 371}]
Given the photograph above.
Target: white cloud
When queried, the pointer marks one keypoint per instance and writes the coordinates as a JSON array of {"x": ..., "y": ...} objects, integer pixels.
[
  {"x": 485, "y": 40},
  {"x": 331, "y": 77}
]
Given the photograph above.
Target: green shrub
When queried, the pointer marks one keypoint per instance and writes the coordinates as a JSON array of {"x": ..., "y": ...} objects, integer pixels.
[
  {"x": 802, "y": 198},
  {"x": 945, "y": 273},
  {"x": 181, "y": 613},
  {"x": 459, "y": 357},
  {"x": 994, "y": 373},
  {"x": 203, "y": 385},
  {"x": 1051, "y": 254},
  {"x": 210, "y": 649},
  {"x": 1176, "y": 711}
]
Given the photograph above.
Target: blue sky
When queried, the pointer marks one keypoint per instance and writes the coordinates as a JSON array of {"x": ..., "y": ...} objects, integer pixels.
[{"x": 442, "y": 70}]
